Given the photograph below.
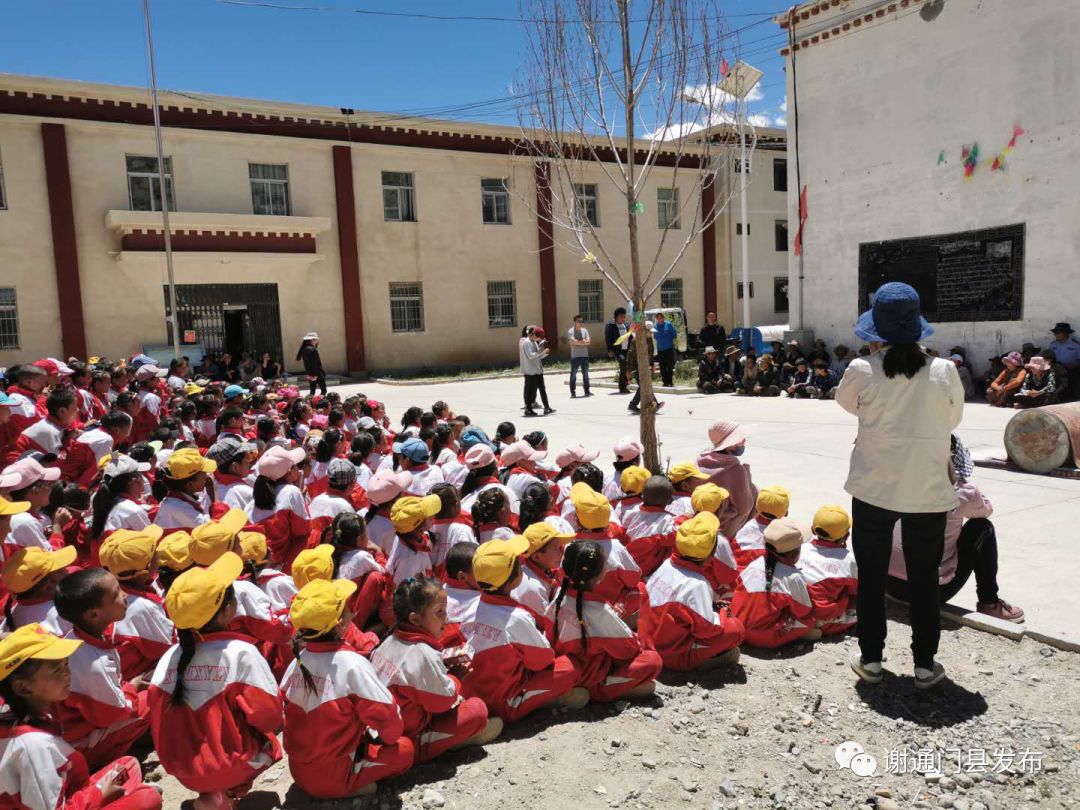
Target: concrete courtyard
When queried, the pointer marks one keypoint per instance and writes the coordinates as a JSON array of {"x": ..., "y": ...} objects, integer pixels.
[{"x": 803, "y": 445}]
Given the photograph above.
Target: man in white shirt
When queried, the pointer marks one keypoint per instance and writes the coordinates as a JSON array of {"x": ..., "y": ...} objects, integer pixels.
[{"x": 579, "y": 341}]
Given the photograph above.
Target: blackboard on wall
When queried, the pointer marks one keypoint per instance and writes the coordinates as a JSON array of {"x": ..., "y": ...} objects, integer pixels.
[{"x": 969, "y": 276}]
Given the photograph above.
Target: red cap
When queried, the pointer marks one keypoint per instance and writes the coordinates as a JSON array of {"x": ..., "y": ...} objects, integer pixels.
[{"x": 539, "y": 331}]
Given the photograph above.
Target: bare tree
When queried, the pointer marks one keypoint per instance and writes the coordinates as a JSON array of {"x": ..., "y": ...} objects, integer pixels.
[{"x": 595, "y": 77}]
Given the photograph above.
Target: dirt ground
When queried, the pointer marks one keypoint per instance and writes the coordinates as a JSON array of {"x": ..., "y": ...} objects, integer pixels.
[{"x": 764, "y": 734}]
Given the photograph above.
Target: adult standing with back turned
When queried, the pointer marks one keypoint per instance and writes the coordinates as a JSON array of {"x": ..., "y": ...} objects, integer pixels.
[
  {"x": 613, "y": 330},
  {"x": 309, "y": 354},
  {"x": 908, "y": 404}
]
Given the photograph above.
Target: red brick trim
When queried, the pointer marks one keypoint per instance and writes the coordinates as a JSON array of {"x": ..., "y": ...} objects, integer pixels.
[
  {"x": 708, "y": 245},
  {"x": 546, "y": 243},
  {"x": 65, "y": 249},
  {"x": 195, "y": 241},
  {"x": 351, "y": 299}
]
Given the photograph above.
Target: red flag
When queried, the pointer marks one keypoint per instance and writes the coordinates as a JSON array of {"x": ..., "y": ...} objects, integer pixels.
[
  {"x": 802, "y": 221},
  {"x": 1017, "y": 132},
  {"x": 724, "y": 68}
]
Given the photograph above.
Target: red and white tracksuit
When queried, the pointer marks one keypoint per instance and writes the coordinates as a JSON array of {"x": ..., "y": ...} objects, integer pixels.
[
  {"x": 316, "y": 480},
  {"x": 461, "y": 604},
  {"x": 321, "y": 512},
  {"x": 650, "y": 536},
  {"x": 256, "y": 617},
  {"x": 832, "y": 580},
  {"x": 278, "y": 587},
  {"x": 39, "y": 771},
  {"x": 222, "y": 734},
  {"x": 331, "y": 754},
  {"x": 41, "y": 611},
  {"x": 44, "y": 436},
  {"x": 126, "y": 513},
  {"x": 408, "y": 558},
  {"x": 749, "y": 542},
  {"x": 24, "y": 412},
  {"x": 514, "y": 671},
  {"x": 610, "y": 659},
  {"x": 618, "y": 584},
  {"x": 519, "y": 480},
  {"x": 447, "y": 533},
  {"x": 178, "y": 511},
  {"x": 104, "y": 714},
  {"x": 620, "y": 507},
  {"x": 83, "y": 455},
  {"x": 381, "y": 532},
  {"x": 536, "y": 589},
  {"x": 678, "y": 618},
  {"x": 424, "y": 477},
  {"x": 681, "y": 506},
  {"x": 779, "y": 616},
  {"x": 232, "y": 491},
  {"x": 359, "y": 566},
  {"x": 143, "y": 635},
  {"x": 28, "y": 530},
  {"x": 286, "y": 526},
  {"x": 490, "y": 483},
  {"x": 435, "y": 716}
]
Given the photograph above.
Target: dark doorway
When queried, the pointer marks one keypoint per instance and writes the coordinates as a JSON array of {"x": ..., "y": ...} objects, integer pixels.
[
  {"x": 231, "y": 318},
  {"x": 233, "y": 323}
]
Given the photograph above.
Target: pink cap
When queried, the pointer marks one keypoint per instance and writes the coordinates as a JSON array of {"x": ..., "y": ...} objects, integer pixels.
[
  {"x": 518, "y": 451},
  {"x": 575, "y": 454},
  {"x": 628, "y": 448},
  {"x": 724, "y": 433},
  {"x": 319, "y": 421},
  {"x": 1014, "y": 358},
  {"x": 52, "y": 366},
  {"x": 478, "y": 456},
  {"x": 384, "y": 486},
  {"x": 25, "y": 473},
  {"x": 277, "y": 461}
]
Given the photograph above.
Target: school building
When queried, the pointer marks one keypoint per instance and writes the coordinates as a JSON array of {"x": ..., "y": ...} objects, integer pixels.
[
  {"x": 938, "y": 145},
  {"x": 405, "y": 243}
]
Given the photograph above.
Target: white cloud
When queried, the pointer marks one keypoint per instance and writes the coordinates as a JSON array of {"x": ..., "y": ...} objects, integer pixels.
[
  {"x": 783, "y": 106},
  {"x": 780, "y": 121},
  {"x": 758, "y": 119}
]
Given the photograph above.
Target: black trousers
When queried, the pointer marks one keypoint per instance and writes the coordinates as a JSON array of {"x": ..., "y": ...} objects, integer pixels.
[
  {"x": 923, "y": 536},
  {"x": 666, "y": 360},
  {"x": 624, "y": 383},
  {"x": 320, "y": 383},
  {"x": 534, "y": 384},
  {"x": 976, "y": 553}
]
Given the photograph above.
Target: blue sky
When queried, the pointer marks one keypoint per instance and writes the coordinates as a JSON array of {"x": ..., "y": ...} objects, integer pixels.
[{"x": 330, "y": 56}]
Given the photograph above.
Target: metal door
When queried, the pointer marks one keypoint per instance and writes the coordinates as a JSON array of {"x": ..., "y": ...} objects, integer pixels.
[{"x": 202, "y": 307}]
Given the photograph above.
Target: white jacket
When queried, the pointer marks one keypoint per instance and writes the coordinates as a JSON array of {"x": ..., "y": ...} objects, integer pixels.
[{"x": 901, "y": 456}]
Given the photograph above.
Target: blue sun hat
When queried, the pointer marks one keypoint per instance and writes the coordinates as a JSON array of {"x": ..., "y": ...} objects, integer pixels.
[
  {"x": 472, "y": 436},
  {"x": 894, "y": 316}
]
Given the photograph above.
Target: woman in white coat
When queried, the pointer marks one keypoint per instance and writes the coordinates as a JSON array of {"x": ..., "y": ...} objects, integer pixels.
[{"x": 908, "y": 404}]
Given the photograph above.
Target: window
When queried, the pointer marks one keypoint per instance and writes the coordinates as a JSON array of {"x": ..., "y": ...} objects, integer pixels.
[
  {"x": 780, "y": 288},
  {"x": 739, "y": 290},
  {"x": 269, "y": 189},
  {"x": 502, "y": 304},
  {"x": 9, "y": 319},
  {"x": 667, "y": 207},
  {"x": 671, "y": 293},
  {"x": 586, "y": 203},
  {"x": 738, "y": 229},
  {"x": 590, "y": 299},
  {"x": 398, "y": 197},
  {"x": 406, "y": 306},
  {"x": 780, "y": 234},
  {"x": 779, "y": 174},
  {"x": 496, "y": 201},
  {"x": 738, "y": 164},
  {"x": 3, "y": 195},
  {"x": 144, "y": 184}
]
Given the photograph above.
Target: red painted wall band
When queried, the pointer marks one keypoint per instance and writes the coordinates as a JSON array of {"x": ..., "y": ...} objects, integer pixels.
[
  {"x": 224, "y": 242},
  {"x": 708, "y": 244},
  {"x": 351, "y": 301},
  {"x": 548, "y": 301}
]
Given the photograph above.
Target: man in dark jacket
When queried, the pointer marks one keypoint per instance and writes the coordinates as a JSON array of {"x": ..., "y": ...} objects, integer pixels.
[
  {"x": 709, "y": 372},
  {"x": 613, "y": 330},
  {"x": 712, "y": 333},
  {"x": 309, "y": 354}
]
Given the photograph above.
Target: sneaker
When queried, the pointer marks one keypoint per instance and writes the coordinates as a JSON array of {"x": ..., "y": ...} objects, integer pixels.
[
  {"x": 548, "y": 410},
  {"x": 530, "y": 412},
  {"x": 641, "y": 691},
  {"x": 634, "y": 410},
  {"x": 589, "y": 394},
  {"x": 491, "y": 731},
  {"x": 1001, "y": 610},
  {"x": 870, "y": 672},
  {"x": 926, "y": 678},
  {"x": 576, "y": 698},
  {"x": 574, "y": 396},
  {"x": 813, "y": 635},
  {"x": 725, "y": 659}
]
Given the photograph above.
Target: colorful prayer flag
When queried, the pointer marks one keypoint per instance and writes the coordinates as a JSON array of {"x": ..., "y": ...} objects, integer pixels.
[{"x": 802, "y": 221}]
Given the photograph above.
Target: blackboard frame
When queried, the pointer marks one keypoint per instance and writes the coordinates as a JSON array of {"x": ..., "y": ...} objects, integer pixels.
[{"x": 920, "y": 261}]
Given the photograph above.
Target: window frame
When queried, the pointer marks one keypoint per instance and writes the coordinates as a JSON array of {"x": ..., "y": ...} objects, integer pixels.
[
  {"x": 584, "y": 300},
  {"x": 777, "y": 280},
  {"x": 152, "y": 177},
  {"x": 499, "y": 298},
  {"x": 13, "y": 308},
  {"x": 777, "y": 173},
  {"x": 676, "y": 286},
  {"x": 780, "y": 243},
  {"x": 409, "y": 192},
  {"x": 403, "y": 300},
  {"x": 270, "y": 183},
  {"x": 739, "y": 290},
  {"x": 581, "y": 199},
  {"x": 495, "y": 195},
  {"x": 668, "y": 208},
  {"x": 738, "y": 164},
  {"x": 739, "y": 228}
]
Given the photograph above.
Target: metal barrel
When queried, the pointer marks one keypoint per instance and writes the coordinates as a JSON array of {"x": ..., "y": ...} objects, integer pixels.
[{"x": 1042, "y": 439}]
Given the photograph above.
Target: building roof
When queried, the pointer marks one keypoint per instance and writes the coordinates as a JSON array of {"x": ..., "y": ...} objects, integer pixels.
[{"x": 819, "y": 21}]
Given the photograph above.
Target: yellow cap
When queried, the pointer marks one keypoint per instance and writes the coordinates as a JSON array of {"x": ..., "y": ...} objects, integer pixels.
[
  {"x": 196, "y": 595},
  {"x": 680, "y": 472},
  {"x": 252, "y": 547},
  {"x": 633, "y": 478},
  {"x": 494, "y": 561},
  {"x": 104, "y": 462},
  {"x": 540, "y": 534},
  {"x": 174, "y": 551},
  {"x": 93, "y": 361},
  {"x": 832, "y": 522},
  {"x": 408, "y": 513},
  {"x": 593, "y": 509},
  {"x": 212, "y": 539},
  {"x": 12, "y": 507},
  {"x": 314, "y": 563},
  {"x": 708, "y": 498},
  {"x": 28, "y": 566},
  {"x": 696, "y": 537},
  {"x": 773, "y": 501},
  {"x": 319, "y": 605},
  {"x": 191, "y": 389},
  {"x": 188, "y": 462},
  {"x": 32, "y": 641},
  {"x": 784, "y": 535},
  {"x": 129, "y": 552}
]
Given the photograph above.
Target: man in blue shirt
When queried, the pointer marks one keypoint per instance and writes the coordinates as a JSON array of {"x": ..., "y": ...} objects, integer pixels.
[
  {"x": 664, "y": 336},
  {"x": 1066, "y": 350}
]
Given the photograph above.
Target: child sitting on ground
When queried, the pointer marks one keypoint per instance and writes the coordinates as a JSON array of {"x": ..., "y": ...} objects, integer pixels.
[
  {"x": 357, "y": 562},
  {"x": 832, "y": 577},
  {"x": 104, "y": 714},
  {"x": 650, "y": 527},
  {"x": 771, "y": 598},
  {"x": 632, "y": 483},
  {"x": 31, "y": 576},
  {"x": 618, "y": 586},
  {"x": 333, "y": 696},
  {"x": 341, "y": 495},
  {"x": 213, "y": 673},
  {"x": 462, "y": 592},
  {"x": 383, "y": 491},
  {"x": 514, "y": 670},
  {"x": 684, "y": 478},
  {"x": 722, "y": 570},
  {"x": 40, "y": 770},
  {"x": 449, "y": 527},
  {"x": 541, "y": 576},
  {"x": 410, "y": 664},
  {"x": 608, "y": 654},
  {"x": 492, "y": 516},
  {"x": 411, "y": 553},
  {"x": 173, "y": 557},
  {"x": 749, "y": 542}
]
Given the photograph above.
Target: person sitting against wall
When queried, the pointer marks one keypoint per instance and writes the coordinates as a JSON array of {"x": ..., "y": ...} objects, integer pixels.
[
  {"x": 800, "y": 379},
  {"x": 270, "y": 369},
  {"x": 765, "y": 382},
  {"x": 1040, "y": 385},
  {"x": 710, "y": 372},
  {"x": 970, "y": 547},
  {"x": 965, "y": 376},
  {"x": 1001, "y": 391},
  {"x": 1066, "y": 349},
  {"x": 842, "y": 361},
  {"x": 822, "y": 381}
]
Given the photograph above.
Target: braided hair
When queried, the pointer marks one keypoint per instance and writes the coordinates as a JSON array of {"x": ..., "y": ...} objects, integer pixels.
[
  {"x": 413, "y": 596},
  {"x": 582, "y": 563},
  {"x": 187, "y": 639},
  {"x": 344, "y": 533},
  {"x": 535, "y": 501},
  {"x": 591, "y": 475},
  {"x": 489, "y": 503}
]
